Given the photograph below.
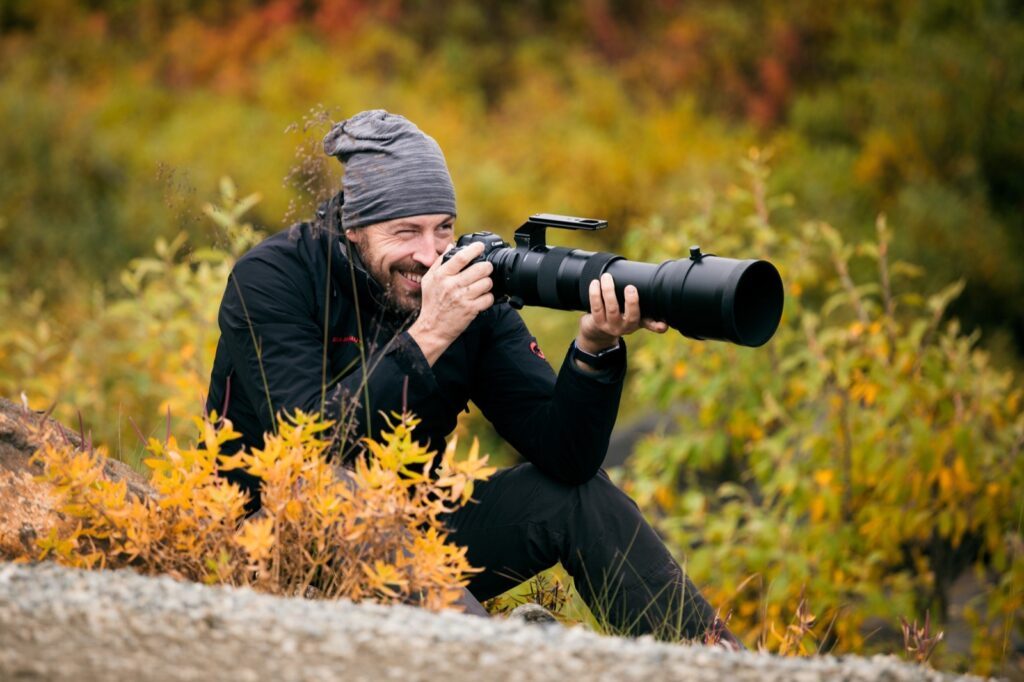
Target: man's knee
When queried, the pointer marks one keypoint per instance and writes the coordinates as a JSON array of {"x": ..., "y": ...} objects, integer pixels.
[
  {"x": 582, "y": 505},
  {"x": 596, "y": 487},
  {"x": 601, "y": 494}
]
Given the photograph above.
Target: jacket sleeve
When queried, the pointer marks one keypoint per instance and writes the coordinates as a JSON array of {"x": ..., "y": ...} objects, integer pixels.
[
  {"x": 268, "y": 323},
  {"x": 560, "y": 424}
]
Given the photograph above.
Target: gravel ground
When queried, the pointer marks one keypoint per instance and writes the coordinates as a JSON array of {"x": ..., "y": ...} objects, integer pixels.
[{"x": 61, "y": 624}]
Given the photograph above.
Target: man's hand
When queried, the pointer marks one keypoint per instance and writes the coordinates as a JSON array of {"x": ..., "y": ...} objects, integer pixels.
[
  {"x": 451, "y": 297},
  {"x": 602, "y": 327}
]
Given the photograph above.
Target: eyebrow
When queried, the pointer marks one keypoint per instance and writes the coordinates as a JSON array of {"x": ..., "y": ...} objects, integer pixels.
[{"x": 406, "y": 223}]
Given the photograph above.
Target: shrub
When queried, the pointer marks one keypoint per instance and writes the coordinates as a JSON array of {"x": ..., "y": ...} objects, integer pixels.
[
  {"x": 369, "y": 533},
  {"x": 857, "y": 464},
  {"x": 145, "y": 353}
]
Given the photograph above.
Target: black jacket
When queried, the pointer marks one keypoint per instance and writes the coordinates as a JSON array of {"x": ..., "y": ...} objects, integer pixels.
[{"x": 299, "y": 299}]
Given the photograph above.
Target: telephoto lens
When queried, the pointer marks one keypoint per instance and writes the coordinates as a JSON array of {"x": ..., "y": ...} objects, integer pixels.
[
  {"x": 703, "y": 296},
  {"x": 707, "y": 297}
]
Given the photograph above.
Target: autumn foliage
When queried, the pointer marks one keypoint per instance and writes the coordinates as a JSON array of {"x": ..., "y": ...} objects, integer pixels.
[
  {"x": 371, "y": 532},
  {"x": 852, "y": 470}
]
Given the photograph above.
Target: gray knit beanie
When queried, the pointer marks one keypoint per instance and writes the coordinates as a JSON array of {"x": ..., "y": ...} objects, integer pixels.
[{"x": 392, "y": 169}]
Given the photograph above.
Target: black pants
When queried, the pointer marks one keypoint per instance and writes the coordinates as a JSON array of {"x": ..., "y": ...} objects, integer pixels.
[{"x": 524, "y": 522}]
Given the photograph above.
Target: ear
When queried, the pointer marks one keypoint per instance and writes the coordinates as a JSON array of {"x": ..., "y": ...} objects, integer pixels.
[{"x": 350, "y": 234}]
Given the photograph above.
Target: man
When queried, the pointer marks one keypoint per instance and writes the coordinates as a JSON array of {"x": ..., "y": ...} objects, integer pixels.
[{"x": 357, "y": 315}]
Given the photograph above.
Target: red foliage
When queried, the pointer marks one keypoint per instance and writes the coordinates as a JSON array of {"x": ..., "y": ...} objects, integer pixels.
[
  {"x": 195, "y": 54},
  {"x": 766, "y": 100}
]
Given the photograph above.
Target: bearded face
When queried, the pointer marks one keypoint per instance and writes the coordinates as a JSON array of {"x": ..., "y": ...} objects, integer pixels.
[{"x": 397, "y": 254}]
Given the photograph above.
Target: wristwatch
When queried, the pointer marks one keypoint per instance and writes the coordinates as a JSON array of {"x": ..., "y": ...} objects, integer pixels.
[{"x": 603, "y": 359}]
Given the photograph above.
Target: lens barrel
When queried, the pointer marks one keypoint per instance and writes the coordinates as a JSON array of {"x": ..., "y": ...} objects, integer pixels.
[
  {"x": 708, "y": 297},
  {"x": 703, "y": 296}
]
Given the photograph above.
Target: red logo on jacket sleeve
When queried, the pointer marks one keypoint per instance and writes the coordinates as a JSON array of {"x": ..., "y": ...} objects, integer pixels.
[
  {"x": 535, "y": 349},
  {"x": 344, "y": 339}
]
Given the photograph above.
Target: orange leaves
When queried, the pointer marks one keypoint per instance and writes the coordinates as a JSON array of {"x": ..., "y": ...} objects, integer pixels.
[
  {"x": 863, "y": 389},
  {"x": 373, "y": 531},
  {"x": 60, "y": 546},
  {"x": 793, "y": 640},
  {"x": 386, "y": 579},
  {"x": 458, "y": 476},
  {"x": 256, "y": 538}
]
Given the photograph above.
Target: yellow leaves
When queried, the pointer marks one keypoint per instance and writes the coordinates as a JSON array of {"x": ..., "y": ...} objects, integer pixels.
[
  {"x": 708, "y": 414},
  {"x": 824, "y": 477},
  {"x": 794, "y": 638},
  {"x": 386, "y": 579},
  {"x": 955, "y": 481},
  {"x": 67, "y": 469},
  {"x": 458, "y": 476},
  {"x": 962, "y": 477},
  {"x": 327, "y": 504},
  {"x": 885, "y": 158},
  {"x": 946, "y": 482},
  {"x": 664, "y": 496},
  {"x": 257, "y": 538},
  {"x": 742, "y": 426},
  {"x": 59, "y": 545},
  {"x": 400, "y": 453},
  {"x": 293, "y": 510},
  {"x": 221, "y": 501},
  {"x": 857, "y": 329},
  {"x": 214, "y": 437},
  {"x": 863, "y": 389},
  {"x": 796, "y": 389},
  {"x": 1013, "y": 402},
  {"x": 818, "y": 509},
  {"x": 372, "y": 531},
  {"x": 870, "y": 528}
]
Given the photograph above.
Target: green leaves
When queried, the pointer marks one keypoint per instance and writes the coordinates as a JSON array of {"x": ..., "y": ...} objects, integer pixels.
[{"x": 855, "y": 460}]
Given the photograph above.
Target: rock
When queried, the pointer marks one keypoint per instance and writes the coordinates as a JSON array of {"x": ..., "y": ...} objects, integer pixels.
[
  {"x": 62, "y": 624},
  {"x": 533, "y": 613},
  {"x": 28, "y": 506}
]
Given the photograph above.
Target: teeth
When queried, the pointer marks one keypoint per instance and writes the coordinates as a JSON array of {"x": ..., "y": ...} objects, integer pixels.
[{"x": 414, "y": 277}]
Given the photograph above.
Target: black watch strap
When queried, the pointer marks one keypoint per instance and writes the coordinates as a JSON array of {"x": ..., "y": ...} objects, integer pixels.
[{"x": 604, "y": 359}]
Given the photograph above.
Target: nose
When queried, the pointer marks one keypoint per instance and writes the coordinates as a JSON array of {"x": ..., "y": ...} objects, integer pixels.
[{"x": 427, "y": 250}]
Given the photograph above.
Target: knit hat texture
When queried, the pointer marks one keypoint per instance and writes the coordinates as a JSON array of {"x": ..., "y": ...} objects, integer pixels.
[{"x": 392, "y": 169}]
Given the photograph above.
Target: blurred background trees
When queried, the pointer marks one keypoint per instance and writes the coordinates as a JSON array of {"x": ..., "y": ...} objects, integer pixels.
[
  {"x": 912, "y": 108},
  {"x": 121, "y": 118}
]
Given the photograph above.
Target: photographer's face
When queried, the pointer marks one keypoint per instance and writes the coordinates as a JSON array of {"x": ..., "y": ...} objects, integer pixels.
[{"x": 398, "y": 252}]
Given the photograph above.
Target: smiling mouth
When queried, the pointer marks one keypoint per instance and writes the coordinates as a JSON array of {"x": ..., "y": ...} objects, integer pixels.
[{"x": 415, "y": 278}]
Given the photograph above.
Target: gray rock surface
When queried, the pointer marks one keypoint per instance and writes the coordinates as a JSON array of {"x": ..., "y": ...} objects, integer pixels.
[{"x": 61, "y": 624}]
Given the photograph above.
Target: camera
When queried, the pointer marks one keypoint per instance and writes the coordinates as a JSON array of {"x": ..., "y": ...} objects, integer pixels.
[{"x": 702, "y": 296}]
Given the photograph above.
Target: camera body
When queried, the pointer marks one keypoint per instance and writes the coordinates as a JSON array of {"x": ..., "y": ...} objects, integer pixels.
[
  {"x": 702, "y": 296},
  {"x": 490, "y": 241}
]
